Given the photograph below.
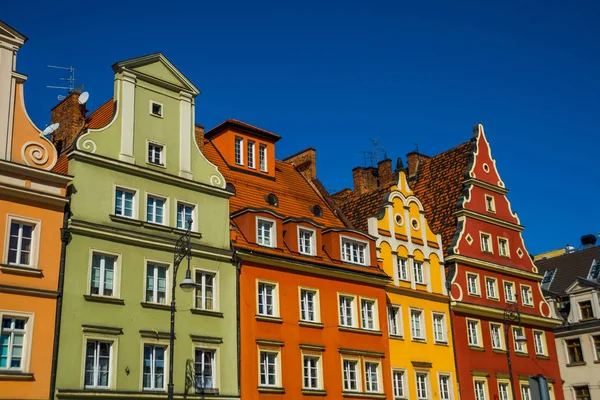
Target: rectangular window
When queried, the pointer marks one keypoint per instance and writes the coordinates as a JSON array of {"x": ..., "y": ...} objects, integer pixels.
[
  {"x": 503, "y": 391},
  {"x": 204, "y": 369},
  {"x": 473, "y": 333},
  {"x": 353, "y": 251},
  {"x": 268, "y": 368},
  {"x": 20, "y": 243},
  {"x": 518, "y": 339},
  {"x": 154, "y": 367},
  {"x": 421, "y": 386},
  {"x": 266, "y": 299},
  {"x": 418, "y": 272},
  {"x": 155, "y": 154},
  {"x": 503, "y": 247},
  {"x": 509, "y": 292},
  {"x": 526, "y": 296},
  {"x": 262, "y": 150},
  {"x": 417, "y": 330},
  {"x": 155, "y": 210},
  {"x": 594, "y": 270},
  {"x": 548, "y": 277},
  {"x": 308, "y": 305},
  {"x": 480, "y": 391},
  {"x": 205, "y": 290},
  {"x": 574, "y": 351},
  {"x": 526, "y": 392},
  {"x": 371, "y": 377},
  {"x": 368, "y": 314},
  {"x": 496, "y": 333},
  {"x": 124, "y": 203},
  {"x": 486, "y": 243},
  {"x": 251, "y": 154},
  {"x": 539, "y": 342},
  {"x": 311, "y": 373},
  {"x": 585, "y": 309},
  {"x": 12, "y": 343},
  {"x": 98, "y": 355},
  {"x": 439, "y": 328},
  {"x": 597, "y": 347},
  {"x": 402, "y": 269},
  {"x": 445, "y": 391},
  {"x": 398, "y": 384},
  {"x": 582, "y": 392},
  {"x": 184, "y": 215},
  {"x": 156, "y": 109},
  {"x": 346, "y": 310},
  {"x": 350, "y": 375},
  {"x": 239, "y": 151},
  {"x": 489, "y": 203},
  {"x": 156, "y": 283},
  {"x": 491, "y": 288},
  {"x": 473, "y": 284},
  {"x": 305, "y": 241},
  {"x": 103, "y": 275},
  {"x": 264, "y": 234},
  {"x": 394, "y": 321}
]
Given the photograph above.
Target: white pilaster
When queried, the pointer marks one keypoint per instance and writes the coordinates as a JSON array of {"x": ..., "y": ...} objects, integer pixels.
[
  {"x": 7, "y": 55},
  {"x": 186, "y": 133},
  {"x": 127, "y": 116}
]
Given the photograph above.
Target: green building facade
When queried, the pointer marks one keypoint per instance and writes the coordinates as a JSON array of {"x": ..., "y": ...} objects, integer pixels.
[{"x": 137, "y": 179}]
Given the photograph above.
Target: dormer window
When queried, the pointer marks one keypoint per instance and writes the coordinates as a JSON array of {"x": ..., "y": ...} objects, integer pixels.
[
  {"x": 317, "y": 211},
  {"x": 489, "y": 204},
  {"x": 272, "y": 200},
  {"x": 585, "y": 309},
  {"x": 265, "y": 232},
  {"x": 251, "y": 147},
  {"x": 263, "y": 157},
  {"x": 354, "y": 251},
  {"x": 548, "y": 276},
  {"x": 156, "y": 154},
  {"x": 156, "y": 109},
  {"x": 239, "y": 151},
  {"x": 594, "y": 270},
  {"x": 305, "y": 241}
]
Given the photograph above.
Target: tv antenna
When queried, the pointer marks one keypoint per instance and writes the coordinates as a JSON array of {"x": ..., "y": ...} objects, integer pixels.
[{"x": 70, "y": 80}]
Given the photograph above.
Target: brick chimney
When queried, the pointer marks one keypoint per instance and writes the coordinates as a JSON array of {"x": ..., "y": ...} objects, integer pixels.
[
  {"x": 415, "y": 159},
  {"x": 305, "y": 162},
  {"x": 71, "y": 117},
  {"x": 384, "y": 172},
  {"x": 365, "y": 179},
  {"x": 199, "y": 133}
]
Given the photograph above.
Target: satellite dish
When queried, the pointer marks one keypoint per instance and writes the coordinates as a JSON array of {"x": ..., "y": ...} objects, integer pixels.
[
  {"x": 83, "y": 98},
  {"x": 50, "y": 129}
]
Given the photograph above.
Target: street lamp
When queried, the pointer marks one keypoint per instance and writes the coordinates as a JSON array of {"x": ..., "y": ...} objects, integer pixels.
[
  {"x": 183, "y": 249},
  {"x": 512, "y": 315}
]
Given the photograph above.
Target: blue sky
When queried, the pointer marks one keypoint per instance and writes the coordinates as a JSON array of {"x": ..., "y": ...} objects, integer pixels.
[{"x": 331, "y": 76}]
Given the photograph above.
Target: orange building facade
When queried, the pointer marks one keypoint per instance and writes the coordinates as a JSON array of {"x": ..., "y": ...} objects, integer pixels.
[
  {"x": 32, "y": 205},
  {"x": 312, "y": 300}
]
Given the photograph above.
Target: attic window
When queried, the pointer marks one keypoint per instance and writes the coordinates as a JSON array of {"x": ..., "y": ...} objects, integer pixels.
[
  {"x": 594, "y": 270},
  {"x": 230, "y": 188},
  {"x": 156, "y": 109},
  {"x": 548, "y": 276},
  {"x": 272, "y": 200},
  {"x": 317, "y": 211}
]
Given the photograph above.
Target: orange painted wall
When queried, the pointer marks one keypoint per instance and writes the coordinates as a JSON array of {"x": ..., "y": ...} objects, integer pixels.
[
  {"x": 293, "y": 335},
  {"x": 225, "y": 142}
]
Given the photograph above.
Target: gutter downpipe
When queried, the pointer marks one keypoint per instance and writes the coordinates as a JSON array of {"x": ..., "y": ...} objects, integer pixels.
[{"x": 238, "y": 268}]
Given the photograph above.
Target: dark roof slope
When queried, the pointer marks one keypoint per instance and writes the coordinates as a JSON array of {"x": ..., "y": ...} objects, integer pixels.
[
  {"x": 569, "y": 267},
  {"x": 358, "y": 209}
]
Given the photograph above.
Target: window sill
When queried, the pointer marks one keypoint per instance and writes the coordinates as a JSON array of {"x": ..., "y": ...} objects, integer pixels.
[
  {"x": 476, "y": 348},
  {"x": 441, "y": 343},
  {"x": 396, "y": 337},
  {"x": 156, "y": 226},
  {"x": 156, "y": 306},
  {"x": 267, "y": 389},
  {"x": 104, "y": 299},
  {"x": 156, "y": 165},
  {"x": 359, "y": 330},
  {"x": 265, "y": 318},
  {"x": 542, "y": 357},
  {"x": 193, "y": 234},
  {"x": 576, "y": 364},
  {"x": 21, "y": 270},
  {"x": 418, "y": 340},
  {"x": 528, "y": 305},
  {"x": 16, "y": 376},
  {"x": 207, "y": 313},
  {"x": 314, "y": 392},
  {"x": 125, "y": 220},
  {"x": 207, "y": 391},
  {"x": 309, "y": 324},
  {"x": 474, "y": 295},
  {"x": 499, "y": 351},
  {"x": 521, "y": 354},
  {"x": 363, "y": 395},
  {"x": 493, "y": 298}
]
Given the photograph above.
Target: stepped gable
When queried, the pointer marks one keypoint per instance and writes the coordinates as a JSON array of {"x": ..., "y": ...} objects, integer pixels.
[{"x": 569, "y": 267}]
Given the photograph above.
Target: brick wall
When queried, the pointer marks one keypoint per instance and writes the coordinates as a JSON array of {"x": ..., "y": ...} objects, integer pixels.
[
  {"x": 305, "y": 162},
  {"x": 71, "y": 117}
]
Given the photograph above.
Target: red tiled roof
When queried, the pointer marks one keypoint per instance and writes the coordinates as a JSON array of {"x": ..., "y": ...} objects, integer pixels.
[{"x": 358, "y": 209}]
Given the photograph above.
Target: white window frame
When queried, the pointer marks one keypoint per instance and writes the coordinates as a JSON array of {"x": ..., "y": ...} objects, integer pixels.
[
  {"x": 319, "y": 370},
  {"x": 134, "y": 202},
  {"x": 508, "y": 393},
  {"x": 397, "y": 320},
  {"x": 353, "y": 241},
  {"x": 375, "y": 315},
  {"x": 262, "y": 157},
  {"x": 194, "y": 215},
  {"x": 154, "y": 345},
  {"x": 477, "y": 288},
  {"x": 486, "y": 238},
  {"x": 155, "y": 277},
  {"x": 506, "y": 251},
  {"x": 484, "y": 388},
  {"x": 426, "y": 388},
  {"x": 316, "y": 304},
  {"x": 526, "y": 300},
  {"x": 240, "y": 140},
  {"x": 474, "y": 340},
  {"x": 116, "y": 273},
  {"x": 358, "y": 374},
  {"x": 368, "y": 382},
  {"x": 165, "y": 201},
  {"x": 423, "y": 332},
  {"x": 419, "y": 269},
  {"x": 151, "y": 112},
  {"x": 277, "y": 362},
  {"x": 512, "y": 285},
  {"x": 111, "y": 361},
  {"x": 525, "y": 390},
  {"x": 273, "y": 231},
  {"x": 448, "y": 376},
  {"x": 444, "y": 332},
  {"x": 500, "y": 336},
  {"x": 343, "y": 316},
  {"x": 251, "y": 150},
  {"x": 492, "y": 296},
  {"x": 214, "y": 349},
  {"x": 36, "y": 233},
  {"x": 27, "y": 338},
  {"x": 540, "y": 345},
  {"x": 518, "y": 347},
  {"x": 312, "y": 249},
  {"x": 399, "y": 389},
  {"x": 163, "y": 153},
  {"x": 201, "y": 286},
  {"x": 274, "y": 296},
  {"x": 403, "y": 267}
]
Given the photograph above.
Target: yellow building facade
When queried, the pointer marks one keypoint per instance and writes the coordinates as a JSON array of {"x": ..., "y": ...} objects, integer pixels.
[{"x": 421, "y": 348}]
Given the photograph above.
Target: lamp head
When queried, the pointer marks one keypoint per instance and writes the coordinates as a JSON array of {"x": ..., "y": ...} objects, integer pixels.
[{"x": 187, "y": 285}]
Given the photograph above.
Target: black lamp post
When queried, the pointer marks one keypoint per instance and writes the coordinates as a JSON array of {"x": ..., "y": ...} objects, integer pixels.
[
  {"x": 512, "y": 316},
  {"x": 183, "y": 249}
]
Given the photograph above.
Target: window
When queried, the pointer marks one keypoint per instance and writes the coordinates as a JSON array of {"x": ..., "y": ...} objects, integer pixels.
[
  {"x": 265, "y": 232},
  {"x": 98, "y": 356},
  {"x": 486, "y": 243},
  {"x": 418, "y": 272},
  {"x": 156, "y": 283},
  {"x": 103, "y": 275},
  {"x": 155, "y": 210},
  {"x": 473, "y": 332},
  {"x": 268, "y": 368},
  {"x": 594, "y": 270},
  {"x": 394, "y": 321},
  {"x": 262, "y": 155},
  {"x": 308, "y": 305},
  {"x": 20, "y": 243},
  {"x": 444, "y": 387},
  {"x": 398, "y": 384},
  {"x": 509, "y": 292},
  {"x": 353, "y": 251},
  {"x": 417, "y": 330},
  {"x": 239, "y": 151},
  {"x": 12, "y": 343},
  {"x": 503, "y": 247},
  {"x": 156, "y": 109},
  {"x": 402, "y": 269},
  {"x": 124, "y": 203},
  {"x": 205, "y": 290},
  {"x": 539, "y": 342},
  {"x": 266, "y": 299},
  {"x": 305, "y": 241},
  {"x": 525, "y": 392},
  {"x": 526, "y": 296},
  {"x": 154, "y": 367},
  {"x": 421, "y": 386},
  {"x": 547, "y": 279},
  {"x": 574, "y": 351},
  {"x": 184, "y": 215},
  {"x": 204, "y": 369},
  {"x": 473, "y": 284},
  {"x": 371, "y": 377},
  {"x": 311, "y": 372},
  {"x": 518, "y": 336},
  {"x": 491, "y": 288},
  {"x": 155, "y": 154},
  {"x": 596, "y": 340},
  {"x": 489, "y": 203},
  {"x": 480, "y": 390},
  {"x": 496, "y": 333},
  {"x": 251, "y": 154},
  {"x": 346, "y": 310},
  {"x": 503, "y": 390},
  {"x": 368, "y": 313},
  {"x": 582, "y": 392},
  {"x": 350, "y": 374},
  {"x": 585, "y": 309},
  {"x": 439, "y": 328}
]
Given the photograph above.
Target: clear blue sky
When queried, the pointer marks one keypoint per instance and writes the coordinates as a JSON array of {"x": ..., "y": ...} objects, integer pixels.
[{"x": 331, "y": 76}]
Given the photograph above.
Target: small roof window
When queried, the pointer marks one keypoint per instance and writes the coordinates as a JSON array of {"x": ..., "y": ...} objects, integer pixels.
[
  {"x": 272, "y": 200},
  {"x": 317, "y": 211}
]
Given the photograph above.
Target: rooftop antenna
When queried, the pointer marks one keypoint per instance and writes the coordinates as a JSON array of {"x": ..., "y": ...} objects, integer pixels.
[{"x": 70, "y": 80}]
